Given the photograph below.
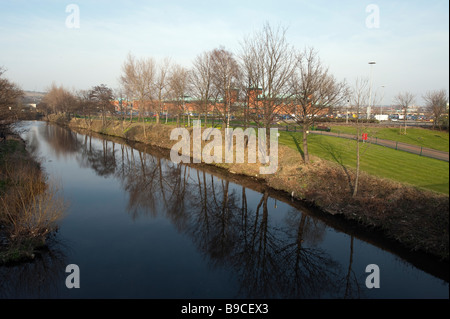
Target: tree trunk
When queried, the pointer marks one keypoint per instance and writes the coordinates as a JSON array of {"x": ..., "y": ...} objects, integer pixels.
[
  {"x": 268, "y": 139},
  {"x": 305, "y": 144},
  {"x": 228, "y": 116},
  {"x": 143, "y": 126},
  {"x": 355, "y": 189},
  {"x": 404, "y": 119}
]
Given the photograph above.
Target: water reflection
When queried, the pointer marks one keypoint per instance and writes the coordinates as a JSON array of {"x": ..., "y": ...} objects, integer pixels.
[
  {"x": 272, "y": 258},
  {"x": 272, "y": 254},
  {"x": 39, "y": 278}
]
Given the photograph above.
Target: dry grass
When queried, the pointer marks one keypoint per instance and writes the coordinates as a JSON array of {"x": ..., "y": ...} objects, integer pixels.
[
  {"x": 30, "y": 207},
  {"x": 417, "y": 218}
]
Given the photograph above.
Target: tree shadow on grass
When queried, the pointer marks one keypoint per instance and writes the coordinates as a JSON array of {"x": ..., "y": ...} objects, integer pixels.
[
  {"x": 297, "y": 145},
  {"x": 333, "y": 151},
  {"x": 336, "y": 154}
]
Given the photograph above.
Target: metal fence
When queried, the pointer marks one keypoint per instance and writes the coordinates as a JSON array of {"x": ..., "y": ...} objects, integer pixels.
[{"x": 414, "y": 149}]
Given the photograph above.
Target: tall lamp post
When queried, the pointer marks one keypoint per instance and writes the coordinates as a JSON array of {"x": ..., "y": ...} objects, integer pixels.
[
  {"x": 371, "y": 63},
  {"x": 382, "y": 99},
  {"x": 348, "y": 107}
]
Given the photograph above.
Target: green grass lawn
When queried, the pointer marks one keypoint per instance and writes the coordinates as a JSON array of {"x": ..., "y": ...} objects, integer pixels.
[
  {"x": 377, "y": 160},
  {"x": 417, "y": 136}
]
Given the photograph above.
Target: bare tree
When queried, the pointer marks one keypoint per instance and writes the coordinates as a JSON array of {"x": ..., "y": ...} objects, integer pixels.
[
  {"x": 201, "y": 83},
  {"x": 60, "y": 100},
  {"x": 404, "y": 100},
  {"x": 10, "y": 93},
  {"x": 225, "y": 78},
  {"x": 138, "y": 78},
  {"x": 268, "y": 63},
  {"x": 161, "y": 85},
  {"x": 359, "y": 98},
  {"x": 51, "y": 98},
  {"x": 85, "y": 106},
  {"x": 178, "y": 83},
  {"x": 436, "y": 104},
  {"x": 126, "y": 91},
  {"x": 314, "y": 92},
  {"x": 123, "y": 106},
  {"x": 101, "y": 96}
]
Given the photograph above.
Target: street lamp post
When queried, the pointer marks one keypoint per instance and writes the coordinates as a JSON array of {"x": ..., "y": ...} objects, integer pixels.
[
  {"x": 370, "y": 89},
  {"x": 348, "y": 107}
]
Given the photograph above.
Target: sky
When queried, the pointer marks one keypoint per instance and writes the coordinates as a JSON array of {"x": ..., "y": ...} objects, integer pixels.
[{"x": 80, "y": 44}]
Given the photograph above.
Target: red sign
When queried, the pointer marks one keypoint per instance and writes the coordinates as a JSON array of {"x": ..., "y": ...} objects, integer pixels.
[{"x": 364, "y": 136}]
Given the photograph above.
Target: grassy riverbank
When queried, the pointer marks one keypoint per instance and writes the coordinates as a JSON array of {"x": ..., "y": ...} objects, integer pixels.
[
  {"x": 417, "y": 218},
  {"x": 383, "y": 162},
  {"x": 29, "y": 205}
]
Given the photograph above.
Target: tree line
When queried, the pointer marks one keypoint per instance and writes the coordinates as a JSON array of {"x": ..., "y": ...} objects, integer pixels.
[
  {"x": 266, "y": 78},
  {"x": 10, "y": 95}
]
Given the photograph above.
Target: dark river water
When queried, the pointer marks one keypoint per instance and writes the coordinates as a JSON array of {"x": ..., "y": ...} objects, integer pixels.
[{"x": 140, "y": 226}]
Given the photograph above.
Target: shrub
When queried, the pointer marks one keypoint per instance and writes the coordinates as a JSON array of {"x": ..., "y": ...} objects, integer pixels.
[{"x": 30, "y": 207}]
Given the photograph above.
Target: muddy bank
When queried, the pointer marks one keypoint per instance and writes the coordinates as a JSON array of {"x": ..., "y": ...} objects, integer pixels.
[{"x": 415, "y": 218}]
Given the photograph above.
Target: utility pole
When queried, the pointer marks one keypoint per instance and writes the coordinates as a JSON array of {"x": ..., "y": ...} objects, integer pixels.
[{"x": 371, "y": 63}]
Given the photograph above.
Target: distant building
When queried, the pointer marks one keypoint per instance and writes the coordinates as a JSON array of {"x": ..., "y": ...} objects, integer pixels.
[{"x": 253, "y": 99}]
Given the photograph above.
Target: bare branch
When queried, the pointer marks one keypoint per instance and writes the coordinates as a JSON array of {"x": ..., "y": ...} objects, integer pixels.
[{"x": 436, "y": 104}]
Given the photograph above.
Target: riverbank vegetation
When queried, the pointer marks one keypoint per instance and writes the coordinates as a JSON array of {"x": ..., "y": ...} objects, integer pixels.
[
  {"x": 30, "y": 206},
  {"x": 416, "y": 217}
]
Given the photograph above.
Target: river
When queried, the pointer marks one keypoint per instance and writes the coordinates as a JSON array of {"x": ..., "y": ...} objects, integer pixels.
[{"x": 140, "y": 226}]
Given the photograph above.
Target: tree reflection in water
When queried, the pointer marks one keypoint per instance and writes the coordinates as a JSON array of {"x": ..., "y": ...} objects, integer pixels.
[
  {"x": 42, "y": 278},
  {"x": 271, "y": 258}
]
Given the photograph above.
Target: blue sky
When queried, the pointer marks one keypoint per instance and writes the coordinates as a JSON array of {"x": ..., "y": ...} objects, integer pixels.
[{"x": 410, "y": 45}]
